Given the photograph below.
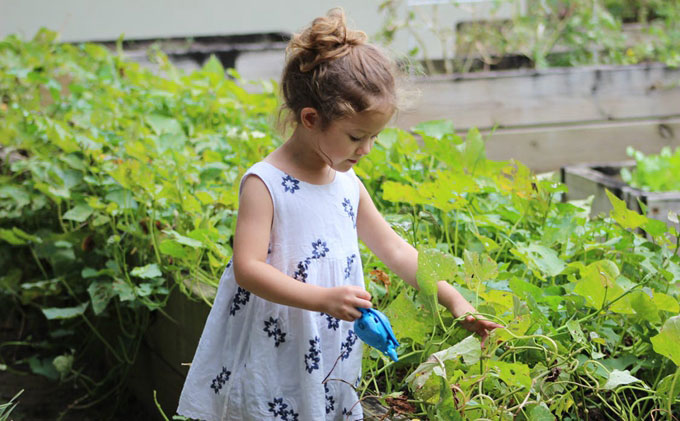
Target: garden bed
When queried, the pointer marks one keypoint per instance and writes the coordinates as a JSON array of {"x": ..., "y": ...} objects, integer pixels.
[{"x": 584, "y": 180}]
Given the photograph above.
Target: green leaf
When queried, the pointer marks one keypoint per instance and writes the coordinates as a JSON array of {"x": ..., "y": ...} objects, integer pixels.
[
  {"x": 618, "y": 377},
  {"x": 10, "y": 237},
  {"x": 664, "y": 387},
  {"x": 479, "y": 268},
  {"x": 53, "y": 313},
  {"x": 434, "y": 266},
  {"x": 100, "y": 295},
  {"x": 162, "y": 124},
  {"x": 44, "y": 367},
  {"x": 576, "y": 332},
  {"x": 434, "y": 128},
  {"x": 513, "y": 374},
  {"x": 597, "y": 286},
  {"x": 181, "y": 239},
  {"x": 147, "y": 272},
  {"x": 79, "y": 213},
  {"x": 624, "y": 216},
  {"x": 541, "y": 412},
  {"x": 474, "y": 153},
  {"x": 666, "y": 342},
  {"x": 644, "y": 306},
  {"x": 405, "y": 318},
  {"x": 214, "y": 65},
  {"x": 124, "y": 291},
  {"x": 172, "y": 248},
  {"x": 545, "y": 259},
  {"x": 469, "y": 349}
]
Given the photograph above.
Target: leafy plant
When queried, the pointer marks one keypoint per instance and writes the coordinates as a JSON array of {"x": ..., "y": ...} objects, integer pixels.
[
  {"x": 117, "y": 186},
  {"x": 654, "y": 172},
  {"x": 572, "y": 292},
  {"x": 544, "y": 33},
  {"x": 7, "y": 408}
]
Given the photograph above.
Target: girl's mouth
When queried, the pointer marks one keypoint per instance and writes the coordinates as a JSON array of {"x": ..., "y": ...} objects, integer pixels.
[{"x": 353, "y": 161}]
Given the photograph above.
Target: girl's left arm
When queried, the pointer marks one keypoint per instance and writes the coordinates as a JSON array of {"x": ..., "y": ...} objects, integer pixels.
[{"x": 402, "y": 259}]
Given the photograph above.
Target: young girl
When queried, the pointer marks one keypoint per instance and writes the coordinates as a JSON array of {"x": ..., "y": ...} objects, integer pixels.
[{"x": 283, "y": 312}]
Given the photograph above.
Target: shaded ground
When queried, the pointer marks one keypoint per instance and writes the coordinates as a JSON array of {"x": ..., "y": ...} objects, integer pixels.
[{"x": 44, "y": 400}]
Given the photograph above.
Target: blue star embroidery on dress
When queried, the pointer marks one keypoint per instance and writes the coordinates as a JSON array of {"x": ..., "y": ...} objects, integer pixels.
[
  {"x": 301, "y": 273},
  {"x": 290, "y": 184},
  {"x": 220, "y": 380},
  {"x": 272, "y": 329},
  {"x": 330, "y": 400},
  {"x": 320, "y": 249},
  {"x": 240, "y": 299},
  {"x": 346, "y": 411},
  {"x": 278, "y": 409},
  {"x": 348, "y": 269},
  {"x": 346, "y": 347},
  {"x": 333, "y": 323},
  {"x": 349, "y": 210},
  {"x": 312, "y": 358}
]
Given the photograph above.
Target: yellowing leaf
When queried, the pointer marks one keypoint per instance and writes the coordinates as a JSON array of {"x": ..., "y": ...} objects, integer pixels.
[{"x": 624, "y": 216}]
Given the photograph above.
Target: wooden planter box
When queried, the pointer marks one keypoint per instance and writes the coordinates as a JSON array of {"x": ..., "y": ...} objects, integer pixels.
[
  {"x": 584, "y": 180},
  {"x": 544, "y": 118},
  {"x": 550, "y": 118}
]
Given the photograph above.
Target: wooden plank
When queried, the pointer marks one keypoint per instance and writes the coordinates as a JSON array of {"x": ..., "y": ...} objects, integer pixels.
[
  {"x": 549, "y": 148},
  {"x": 564, "y": 95}
]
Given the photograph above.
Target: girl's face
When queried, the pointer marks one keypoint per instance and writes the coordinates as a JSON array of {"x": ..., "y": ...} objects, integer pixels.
[{"x": 347, "y": 140}]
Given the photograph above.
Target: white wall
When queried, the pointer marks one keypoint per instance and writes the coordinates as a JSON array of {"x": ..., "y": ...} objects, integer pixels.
[{"x": 98, "y": 20}]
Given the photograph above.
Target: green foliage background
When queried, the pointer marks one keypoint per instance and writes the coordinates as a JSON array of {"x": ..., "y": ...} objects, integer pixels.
[{"x": 119, "y": 185}]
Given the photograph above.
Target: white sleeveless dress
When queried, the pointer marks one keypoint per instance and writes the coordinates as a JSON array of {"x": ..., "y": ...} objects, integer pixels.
[{"x": 257, "y": 360}]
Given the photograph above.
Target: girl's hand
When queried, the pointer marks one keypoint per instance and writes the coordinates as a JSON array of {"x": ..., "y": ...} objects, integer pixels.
[
  {"x": 342, "y": 302},
  {"x": 459, "y": 307},
  {"x": 482, "y": 327}
]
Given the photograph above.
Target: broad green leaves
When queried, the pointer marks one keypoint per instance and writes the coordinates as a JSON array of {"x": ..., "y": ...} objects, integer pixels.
[
  {"x": 666, "y": 342},
  {"x": 405, "y": 318},
  {"x": 433, "y": 266},
  {"x": 624, "y": 216},
  {"x": 618, "y": 377},
  {"x": 64, "y": 313},
  {"x": 467, "y": 351},
  {"x": 597, "y": 285}
]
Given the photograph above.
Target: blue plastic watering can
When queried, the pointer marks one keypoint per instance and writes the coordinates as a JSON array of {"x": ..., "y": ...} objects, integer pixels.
[{"x": 374, "y": 329}]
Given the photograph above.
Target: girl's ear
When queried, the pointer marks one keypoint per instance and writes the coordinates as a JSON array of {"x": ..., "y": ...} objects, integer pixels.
[{"x": 309, "y": 118}]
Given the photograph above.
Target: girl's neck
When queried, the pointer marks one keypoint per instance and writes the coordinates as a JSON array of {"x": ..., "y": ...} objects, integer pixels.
[{"x": 300, "y": 157}]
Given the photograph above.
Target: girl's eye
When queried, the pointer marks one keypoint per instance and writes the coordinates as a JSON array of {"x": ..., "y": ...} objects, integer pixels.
[{"x": 355, "y": 139}]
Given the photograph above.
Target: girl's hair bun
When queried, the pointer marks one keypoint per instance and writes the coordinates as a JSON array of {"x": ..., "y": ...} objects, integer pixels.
[
  {"x": 327, "y": 38},
  {"x": 335, "y": 70}
]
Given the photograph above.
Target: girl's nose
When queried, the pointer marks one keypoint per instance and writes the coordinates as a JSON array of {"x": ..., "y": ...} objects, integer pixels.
[{"x": 365, "y": 147}]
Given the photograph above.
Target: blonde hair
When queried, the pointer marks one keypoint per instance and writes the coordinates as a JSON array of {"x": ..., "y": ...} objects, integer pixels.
[{"x": 335, "y": 71}]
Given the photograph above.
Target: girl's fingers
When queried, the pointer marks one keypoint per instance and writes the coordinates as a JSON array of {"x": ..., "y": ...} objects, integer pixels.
[
  {"x": 364, "y": 304},
  {"x": 354, "y": 314}
]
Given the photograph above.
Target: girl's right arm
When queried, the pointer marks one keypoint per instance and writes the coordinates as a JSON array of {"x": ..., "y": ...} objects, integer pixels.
[{"x": 251, "y": 243}]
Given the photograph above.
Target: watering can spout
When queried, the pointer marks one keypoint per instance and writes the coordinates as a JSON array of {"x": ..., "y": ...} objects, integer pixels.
[{"x": 392, "y": 354}]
